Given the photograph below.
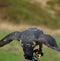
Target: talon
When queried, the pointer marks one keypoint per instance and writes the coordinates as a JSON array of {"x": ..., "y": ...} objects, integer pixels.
[{"x": 38, "y": 55}]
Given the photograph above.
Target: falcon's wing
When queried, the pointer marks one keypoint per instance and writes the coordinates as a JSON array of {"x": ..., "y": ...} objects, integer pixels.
[{"x": 10, "y": 37}]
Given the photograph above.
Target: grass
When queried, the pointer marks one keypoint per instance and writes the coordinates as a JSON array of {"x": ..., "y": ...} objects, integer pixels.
[
  {"x": 13, "y": 51},
  {"x": 10, "y": 52},
  {"x": 9, "y": 56}
]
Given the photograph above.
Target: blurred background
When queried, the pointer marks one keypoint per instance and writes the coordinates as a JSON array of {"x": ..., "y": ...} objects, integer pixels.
[{"x": 18, "y": 15}]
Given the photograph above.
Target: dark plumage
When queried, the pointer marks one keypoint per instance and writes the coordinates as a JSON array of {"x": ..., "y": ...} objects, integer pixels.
[{"x": 29, "y": 39}]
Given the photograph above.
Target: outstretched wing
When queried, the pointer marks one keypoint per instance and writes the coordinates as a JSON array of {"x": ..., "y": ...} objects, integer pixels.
[
  {"x": 10, "y": 37},
  {"x": 49, "y": 41}
]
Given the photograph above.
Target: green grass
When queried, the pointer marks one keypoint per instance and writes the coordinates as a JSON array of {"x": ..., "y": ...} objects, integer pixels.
[
  {"x": 9, "y": 56},
  {"x": 13, "y": 51}
]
